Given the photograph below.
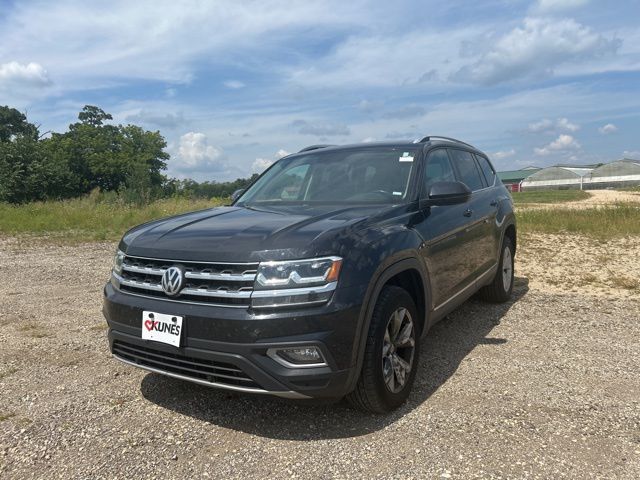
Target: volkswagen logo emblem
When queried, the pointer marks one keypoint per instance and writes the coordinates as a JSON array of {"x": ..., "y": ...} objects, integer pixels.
[{"x": 172, "y": 281}]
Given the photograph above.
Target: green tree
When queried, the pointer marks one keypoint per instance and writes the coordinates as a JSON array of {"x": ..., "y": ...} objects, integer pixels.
[
  {"x": 14, "y": 124},
  {"x": 22, "y": 171},
  {"x": 91, "y": 154},
  {"x": 94, "y": 116}
]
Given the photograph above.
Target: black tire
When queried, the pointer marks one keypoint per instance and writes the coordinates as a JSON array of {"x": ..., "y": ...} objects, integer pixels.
[
  {"x": 497, "y": 291},
  {"x": 372, "y": 392}
]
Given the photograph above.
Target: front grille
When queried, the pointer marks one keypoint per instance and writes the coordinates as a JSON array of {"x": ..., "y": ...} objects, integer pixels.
[
  {"x": 208, "y": 371},
  {"x": 227, "y": 284}
]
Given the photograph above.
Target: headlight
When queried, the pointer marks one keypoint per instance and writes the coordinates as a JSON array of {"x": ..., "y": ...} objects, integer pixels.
[
  {"x": 118, "y": 259},
  {"x": 295, "y": 282},
  {"x": 298, "y": 273}
]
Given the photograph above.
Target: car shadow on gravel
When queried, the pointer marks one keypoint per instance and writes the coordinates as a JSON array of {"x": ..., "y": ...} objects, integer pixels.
[{"x": 443, "y": 349}]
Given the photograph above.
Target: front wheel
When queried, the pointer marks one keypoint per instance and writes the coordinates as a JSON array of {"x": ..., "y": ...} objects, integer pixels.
[
  {"x": 391, "y": 354},
  {"x": 499, "y": 290}
]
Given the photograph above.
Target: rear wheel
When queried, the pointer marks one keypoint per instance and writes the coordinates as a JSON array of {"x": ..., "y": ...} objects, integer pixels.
[
  {"x": 391, "y": 354},
  {"x": 499, "y": 290}
]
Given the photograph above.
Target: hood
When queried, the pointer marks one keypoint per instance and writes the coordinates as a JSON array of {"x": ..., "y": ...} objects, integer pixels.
[{"x": 246, "y": 234}]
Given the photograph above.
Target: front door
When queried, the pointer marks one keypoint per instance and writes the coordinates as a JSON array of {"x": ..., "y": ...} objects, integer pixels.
[{"x": 447, "y": 234}]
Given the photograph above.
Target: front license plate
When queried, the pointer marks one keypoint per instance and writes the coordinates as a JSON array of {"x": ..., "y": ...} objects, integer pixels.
[{"x": 162, "y": 328}]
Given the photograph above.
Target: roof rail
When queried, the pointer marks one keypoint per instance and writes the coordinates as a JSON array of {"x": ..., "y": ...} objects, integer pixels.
[
  {"x": 314, "y": 147},
  {"x": 436, "y": 137}
]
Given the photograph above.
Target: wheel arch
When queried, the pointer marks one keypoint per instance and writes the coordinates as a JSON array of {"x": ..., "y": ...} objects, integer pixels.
[
  {"x": 403, "y": 273},
  {"x": 511, "y": 232}
]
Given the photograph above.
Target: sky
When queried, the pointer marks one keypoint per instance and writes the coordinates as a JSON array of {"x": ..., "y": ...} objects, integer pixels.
[{"x": 235, "y": 85}]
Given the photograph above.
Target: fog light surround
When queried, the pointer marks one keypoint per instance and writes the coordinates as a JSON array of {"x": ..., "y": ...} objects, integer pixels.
[{"x": 302, "y": 356}]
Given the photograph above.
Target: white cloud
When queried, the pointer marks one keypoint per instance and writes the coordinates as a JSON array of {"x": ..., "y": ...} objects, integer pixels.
[
  {"x": 565, "y": 124},
  {"x": 562, "y": 143},
  {"x": 558, "y": 5},
  {"x": 260, "y": 165},
  {"x": 31, "y": 74},
  {"x": 234, "y": 84},
  {"x": 501, "y": 155},
  {"x": 607, "y": 129},
  {"x": 167, "y": 120},
  {"x": 633, "y": 154},
  {"x": 377, "y": 60},
  {"x": 195, "y": 154},
  {"x": 541, "y": 126},
  {"x": 86, "y": 44},
  {"x": 547, "y": 126},
  {"x": 535, "y": 49}
]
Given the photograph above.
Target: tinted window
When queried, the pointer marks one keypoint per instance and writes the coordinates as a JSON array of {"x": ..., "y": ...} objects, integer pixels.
[
  {"x": 367, "y": 175},
  {"x": 485, "y": 166},
  {"x": 288, "y": 185},
  {"x": 467, "y": 170},
  {"x": 438, "y": 169}
]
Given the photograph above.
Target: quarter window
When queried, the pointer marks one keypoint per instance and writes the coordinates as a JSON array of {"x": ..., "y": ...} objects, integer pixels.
[
  {"x": 487, "y": 171},
  {"x": 467, "y": 169}
]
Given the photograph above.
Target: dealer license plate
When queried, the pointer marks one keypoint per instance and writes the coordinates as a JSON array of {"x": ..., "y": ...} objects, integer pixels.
[{"x": 162, "y": 328}]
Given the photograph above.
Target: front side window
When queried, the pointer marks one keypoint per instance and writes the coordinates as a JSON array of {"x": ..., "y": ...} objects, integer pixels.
[
  {"x": 467, "y": 170},
  {"x": 438, "y": 169},
  {"x": 366, "y": 175}
]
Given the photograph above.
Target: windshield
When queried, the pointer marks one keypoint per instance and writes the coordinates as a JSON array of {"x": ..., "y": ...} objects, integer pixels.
[{"x": 366, "y": 175}]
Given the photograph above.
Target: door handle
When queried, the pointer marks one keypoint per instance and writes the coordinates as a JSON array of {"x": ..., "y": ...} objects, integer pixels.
[
  {"x": 494, "y": 203},
  {"x": 468, "y": 212}
]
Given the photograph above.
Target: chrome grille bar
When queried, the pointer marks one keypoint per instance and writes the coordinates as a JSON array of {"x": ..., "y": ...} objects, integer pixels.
[
  {"x": 246, "y": 276},
  {"x": 210, "y": 283},
  {"x": 200, "y": 292}
]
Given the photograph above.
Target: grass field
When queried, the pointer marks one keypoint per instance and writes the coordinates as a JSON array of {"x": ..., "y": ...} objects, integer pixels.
[
  {"x": 89, "y": 218},
  {"x": 614, "y": 221},
  {"x": 92, "y": 219},
  {"x": 549, "y": 196}
]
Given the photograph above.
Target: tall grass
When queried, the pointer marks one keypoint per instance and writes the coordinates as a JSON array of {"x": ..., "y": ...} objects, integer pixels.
[
  {"x": 549, "y": 196},
  {"x": 103, "y": 217},
  {"x": 94, "y": 217},
  {"x": 602, "y": 223}
]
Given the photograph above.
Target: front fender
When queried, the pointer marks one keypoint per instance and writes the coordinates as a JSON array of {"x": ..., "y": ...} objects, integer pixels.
[{"x": 383, "y": 263}]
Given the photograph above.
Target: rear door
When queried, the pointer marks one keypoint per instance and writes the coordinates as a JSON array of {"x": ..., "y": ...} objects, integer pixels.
[
  {"x": 479, "y": 256},
  {"x": 486, "y": 203}
]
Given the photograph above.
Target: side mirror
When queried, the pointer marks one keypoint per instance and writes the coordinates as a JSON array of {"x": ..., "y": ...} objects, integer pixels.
[
  {"x": 236, "y": 194},
  {"x": 447, "y": 193}
]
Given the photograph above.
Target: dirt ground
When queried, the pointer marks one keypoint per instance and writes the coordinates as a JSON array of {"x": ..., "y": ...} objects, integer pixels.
[
  {"x": 602, "y": 197},
  {"x": 597, "y": 198},
  {"x": 546, "y": 386}
]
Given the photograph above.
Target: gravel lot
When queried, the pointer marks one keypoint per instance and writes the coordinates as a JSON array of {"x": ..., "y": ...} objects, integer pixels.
[{"x": 545, "y": 387}]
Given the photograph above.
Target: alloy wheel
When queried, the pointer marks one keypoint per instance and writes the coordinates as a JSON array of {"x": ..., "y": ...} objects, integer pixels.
[
  {"x": 507, "y": 269},
  {"x": 398, "y": 350}
]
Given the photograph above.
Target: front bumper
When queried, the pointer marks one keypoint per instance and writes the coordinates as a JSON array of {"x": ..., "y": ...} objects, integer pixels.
[{"x": 227, "y": 347}]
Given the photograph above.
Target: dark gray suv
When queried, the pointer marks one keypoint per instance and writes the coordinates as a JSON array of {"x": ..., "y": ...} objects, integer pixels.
[{"x": 321, "y": 278}]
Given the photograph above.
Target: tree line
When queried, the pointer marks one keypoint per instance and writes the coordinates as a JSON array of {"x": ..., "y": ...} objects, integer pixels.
[{"x": 91, "y": 155}]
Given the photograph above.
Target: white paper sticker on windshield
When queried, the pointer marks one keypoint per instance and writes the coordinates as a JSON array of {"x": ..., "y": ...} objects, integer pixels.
[{"x": 406, "y": 157}]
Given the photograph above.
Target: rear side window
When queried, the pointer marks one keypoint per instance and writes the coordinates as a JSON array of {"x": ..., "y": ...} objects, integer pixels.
[
  {"x": 467, "y": 170},
  {"x": 438, "y": 169},
  {"x": 487, "y": 171}
]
